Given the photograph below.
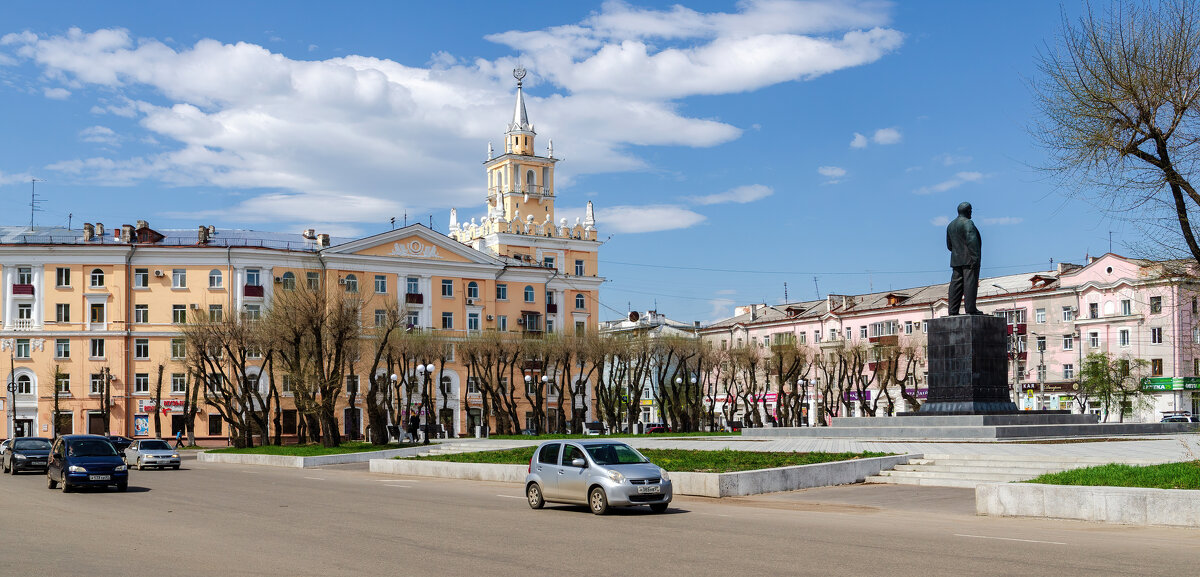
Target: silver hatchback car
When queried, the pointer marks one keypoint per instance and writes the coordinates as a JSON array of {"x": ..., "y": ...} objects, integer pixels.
[
  {"x": 599, "y": 474},
  {"x": 145, "y": 453}
]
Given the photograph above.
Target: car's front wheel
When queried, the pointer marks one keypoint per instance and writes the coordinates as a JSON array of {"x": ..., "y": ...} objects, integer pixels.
[
  {"x": 139, "y": 464},
  {"x": 50, "y": 482},
  {"x": 658, "y": 507},
  {"x": 534, "y": 493},
  {"x": 598, "y": 501},
  {"x": 122, "y": 487}
]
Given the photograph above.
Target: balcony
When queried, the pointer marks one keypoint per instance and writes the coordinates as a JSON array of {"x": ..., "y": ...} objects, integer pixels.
[
  {"x": 885, "y": 340},
  {"x": 1019, "y": 327},
  {"x": 1021, "y": 356},
  {"x": 551, "y": 308},
  {"x": 255, "y": 291},
  {"x": 414, "y": 298},
  {"x": 22, "y": 289},
  {"x": 22, "y": 325}
]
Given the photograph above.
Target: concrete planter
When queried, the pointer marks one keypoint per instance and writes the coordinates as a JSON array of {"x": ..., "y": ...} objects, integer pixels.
[
  {"x": 1120, "y": 505},
  {"x": 699, "y": 484},
  {"x": 303, "y": 462}
]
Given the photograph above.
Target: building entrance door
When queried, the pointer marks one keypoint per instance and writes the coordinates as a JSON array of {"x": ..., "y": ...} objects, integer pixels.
[
  {"x": 351, "y": 418},
  {"x": 95, "y": 423},
  {"x": 22, "y": 428}
]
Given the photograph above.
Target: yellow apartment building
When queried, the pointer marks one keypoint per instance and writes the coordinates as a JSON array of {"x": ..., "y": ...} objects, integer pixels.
[{"x": 107, "y": 304}]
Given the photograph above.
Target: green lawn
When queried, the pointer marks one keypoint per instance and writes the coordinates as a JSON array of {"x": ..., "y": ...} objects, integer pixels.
[
  {"x": 617, "y": 435},
  {"x": 681, "y": 460},
  {"x": 1184, "y": 475},
  {"x": 311, "y": 450}
]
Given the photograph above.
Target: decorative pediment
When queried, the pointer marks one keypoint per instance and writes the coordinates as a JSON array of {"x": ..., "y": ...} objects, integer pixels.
[{"x": 415, "y": 242}]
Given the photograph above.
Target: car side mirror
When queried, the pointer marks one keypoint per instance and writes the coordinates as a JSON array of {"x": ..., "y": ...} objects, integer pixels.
[{"x": 578, "y": 463}]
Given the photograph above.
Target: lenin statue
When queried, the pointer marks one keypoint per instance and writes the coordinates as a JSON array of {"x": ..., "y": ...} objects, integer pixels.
[{"x": 962, "y": 238}]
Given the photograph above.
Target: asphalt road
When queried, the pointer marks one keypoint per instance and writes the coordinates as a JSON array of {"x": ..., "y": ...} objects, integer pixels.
[{"x": 211, "y": 519}]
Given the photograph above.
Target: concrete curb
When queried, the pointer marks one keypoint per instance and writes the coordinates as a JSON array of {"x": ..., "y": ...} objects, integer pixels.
[
  {"x": 699, "y": 484},
  {"x": 304, "y": 462},
  {"x": 1119, "y": 505}
]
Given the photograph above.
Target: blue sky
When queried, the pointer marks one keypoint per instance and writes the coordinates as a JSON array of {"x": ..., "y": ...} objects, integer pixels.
[{"x": 729, "y": 147}]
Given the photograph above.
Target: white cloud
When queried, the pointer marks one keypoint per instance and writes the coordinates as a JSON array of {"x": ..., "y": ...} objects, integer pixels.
[
  {"x": 739, "y": 195},
  {"x": 726, "y": 292},
  {"x": 958, "y": 180},
  {"x": 939, "y": 221},
  {"x": 57, "y": 93},
  {"x": 631, "y": 219},
  {"x": 947, "y": 159},
  {"x": 312, "y": 47},
  {"x": 832, "y": 171},
  {"x": 721, "y": 309},
  {"x": 6, "y": 178},
  {"x": 99, "y": 135},
  {"x": 886, "y": 136},
  {"x": 859, "y": 141},
  {"x": 1003, "y": 220}
]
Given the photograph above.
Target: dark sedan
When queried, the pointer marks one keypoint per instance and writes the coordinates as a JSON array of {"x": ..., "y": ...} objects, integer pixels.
[
  {"x": 26, "y": 454},
  {"x": 120, "y": 443}
]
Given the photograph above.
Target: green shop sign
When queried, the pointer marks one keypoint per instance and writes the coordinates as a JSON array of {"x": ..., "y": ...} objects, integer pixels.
[{"x": 1171, "y": 383}]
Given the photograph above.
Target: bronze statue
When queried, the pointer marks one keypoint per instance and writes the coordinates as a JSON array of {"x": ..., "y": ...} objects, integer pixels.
[{"x": 962, "y": 238}]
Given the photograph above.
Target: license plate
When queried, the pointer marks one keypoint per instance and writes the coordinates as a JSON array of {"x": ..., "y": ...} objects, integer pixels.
[
  {"x": 99, "y": 477},
  {"x": 649, "y": 489}
]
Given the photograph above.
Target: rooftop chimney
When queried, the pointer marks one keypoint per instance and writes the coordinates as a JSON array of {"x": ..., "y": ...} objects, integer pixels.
[
  {"x": 323, "y": 240},
  {"x": 310, "y": 233},
  {"x": 100, "y": 230},
  {"x": 142, "y": 224},
  {"x": 126, "y": 233},
  {"x": 89, "y": 232},
  {"x": 202, "y": 235}
]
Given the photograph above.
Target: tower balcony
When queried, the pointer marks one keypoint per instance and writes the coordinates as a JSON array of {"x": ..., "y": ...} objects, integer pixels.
[{"x": 523, "y": 189}]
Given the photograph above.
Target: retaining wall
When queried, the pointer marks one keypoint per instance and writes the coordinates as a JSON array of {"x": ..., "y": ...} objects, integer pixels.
[
  {"x": 1122, "y": 505},
  {"x": 303, "y": 462}
]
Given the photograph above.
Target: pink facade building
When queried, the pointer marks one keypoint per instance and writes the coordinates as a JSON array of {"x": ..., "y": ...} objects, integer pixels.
[{"x": 1143, "y": 312}]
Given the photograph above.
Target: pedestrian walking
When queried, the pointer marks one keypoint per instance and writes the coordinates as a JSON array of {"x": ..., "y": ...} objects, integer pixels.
[{"x": 178, "y": 438}]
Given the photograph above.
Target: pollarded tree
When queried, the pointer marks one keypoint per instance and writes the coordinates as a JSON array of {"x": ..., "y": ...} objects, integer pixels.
[
  {"x": 1118, "y": 95},
  {"x": 790, "y": 364}
]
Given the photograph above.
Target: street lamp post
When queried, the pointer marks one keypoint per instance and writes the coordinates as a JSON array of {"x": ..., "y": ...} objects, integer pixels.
[
  {"x": 425, "y": 373},
  {"x": 392, "y": 380},
  {"x": 546, "y": 391}
]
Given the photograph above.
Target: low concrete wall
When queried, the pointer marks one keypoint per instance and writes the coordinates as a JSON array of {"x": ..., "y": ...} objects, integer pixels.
[
  {"x": 303, "y": 462},
  {"x": 700, "y": 484},
  {"x": 1122, "y": 505}
]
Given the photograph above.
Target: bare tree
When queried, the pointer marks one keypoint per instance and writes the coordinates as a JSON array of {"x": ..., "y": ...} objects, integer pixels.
[
  {"x": 158, "y": 388},
  {"x": 1118, "y": 96}
]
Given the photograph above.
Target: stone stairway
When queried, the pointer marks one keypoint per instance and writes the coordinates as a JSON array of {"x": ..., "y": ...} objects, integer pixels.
[{"x": 971, "y": 470}]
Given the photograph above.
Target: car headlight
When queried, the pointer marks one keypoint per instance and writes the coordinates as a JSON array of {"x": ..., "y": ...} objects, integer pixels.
[
  {"x": 120, "y": 468},
  {"x": 616, "y": 476},
  {"x": 175, "y": 456},
  {"x": 20, "y": 457},
  {"x": 76, "y": 469},
  {"x": 665, "y": 476}
]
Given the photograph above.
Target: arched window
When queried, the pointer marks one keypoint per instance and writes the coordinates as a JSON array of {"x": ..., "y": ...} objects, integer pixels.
[
  {"x": 351, "y": 283},
  {"x": 97, "y": 277},
  {"x": 214, "y": 279},
  {"x": 580, "y": 302},
  {"x": 528, "y": 293},
  {"x": 472, "y": 290},
  {"x": 289, "y": 281},
  {"x": 530, "y": 180},
  {"x": 24, "y": 385}
]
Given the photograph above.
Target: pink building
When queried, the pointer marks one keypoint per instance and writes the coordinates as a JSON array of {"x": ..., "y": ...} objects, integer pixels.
[{"x": 1131, "y": 309}]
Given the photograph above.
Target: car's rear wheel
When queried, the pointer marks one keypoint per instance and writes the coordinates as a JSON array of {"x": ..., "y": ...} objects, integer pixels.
[
  {"x": 51, "y": 483},
  {"x": 658, "y": 507},
  {"x": 533, "y": 493},
  {"x": 176, "y": 467},
  {"x": 12, "y": 470},
  {"x": 598, "y": 501},
  {"x": 66, "y": 488}
]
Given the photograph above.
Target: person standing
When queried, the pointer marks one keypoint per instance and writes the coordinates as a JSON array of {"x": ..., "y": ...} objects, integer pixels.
[{"x": 966, "y": 246}]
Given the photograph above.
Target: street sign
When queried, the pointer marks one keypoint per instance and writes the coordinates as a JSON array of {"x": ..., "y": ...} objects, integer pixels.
[{"x": 1171, "y": 383}]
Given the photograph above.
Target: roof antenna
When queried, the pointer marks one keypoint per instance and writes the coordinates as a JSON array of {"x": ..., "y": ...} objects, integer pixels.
[
  {"x": 35, "y": 205},
  {"x": 817, "y": 287},
  {"x": 785, "y": 300}
]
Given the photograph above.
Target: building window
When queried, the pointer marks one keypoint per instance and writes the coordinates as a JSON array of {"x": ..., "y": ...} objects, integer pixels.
[
  {"x": 62, "y": 384},
  {"x": 1041, "y": 373},
  {"x": 24, "y": 385},
  {"x": 447, "y": 385},
  {"x": 472, "y": 290},
  {"x": 578, "y": 267},
  {"x": 1068, "y": 314},
  {"x": 141, "y": 314},
  {"x": 549, "y": 325},
  {"x": 473, "y": 321},
  {"x": 179, "y": 314},
  {"x": 803, "y": 337},
  {"x": 908, "y": 328},
  {"x": 1156, "y": 335},
  {"x": 22, "y": 349},
  {"x": 380, "y": 317},
  {"x": 214, "y": 278},
  {"x": 288, "y": 280},
  {"x": 96, "y": 384},
  {"x": 62, "y": 312},
  {"x": 501, "y": 292},
  {"x": 1127, "y": 307},
  {"x": 178, "y": 349},
  {"x": 313, "y": 279},
  {"x": 548, "y": 261},
  {"x": 141, "y": 349},
  {"x": 472, "y": 386},
  {"x": 1039, "y": 315},
  {"x": 1156, "y": 367},
  {"x": 97, "y": 278},
  {"x": 351, "y": 384},
  {"x": 1068, "y": 342},
  {"x": 580, "y": 301},
  {"x": 253, "y": 277},
  {"x": 413, "y": 319},
  {"x": 178, "y": 383},
  {"x": 25, "y": 313},
  {"x": 62, "y": 348},
  {"x": 179, "y": 278},
  {"x": 214, "y": 425},
  {"x": 885, "y": 328},
  {"x": 502, "y": 323},
  {"x": 351, "y": 282},
  {"x": 380, "y": 283},
  {"x": 215, "y": 312},
  {"x": 285, "y": 386},
  {"x": 1094, "y": 339},
  {"x": 1068, "y": 371},
  {"x": 141, "y": 383},
  {"x": 97, "y": 310},
  {"x": 1041, "y": 344},
  {"x": 447, "y": 287},
  {"x": 447, "y": 320},
  {"x": 97, "y": 351},
  {"x": 580, "y": 327},
  {"x": 62, "y": 276},
  {"x": 141, "y": 278},
  {"x": 529, "y": 295},
  {"x": 1093, "y": 310},
  {"x": 253, "y": 312},
  {"x": 1123, "y": 337},
  {"x": 411, "y": 285},
  {"x": 1155, "y": 305}
]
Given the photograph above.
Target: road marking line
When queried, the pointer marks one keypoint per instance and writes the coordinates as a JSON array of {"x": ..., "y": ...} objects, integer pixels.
[
  {"x": 1009, "y": 539},
  {"x": 395, "y": 481},
  {"x": 400, "y": 486},
  {"x": 315, "y": 478},
  {"x": 511, "y": 497}
]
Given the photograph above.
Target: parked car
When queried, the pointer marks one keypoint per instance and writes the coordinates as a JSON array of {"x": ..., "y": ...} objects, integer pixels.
[
  {"x": 657, "y": 428},
  {"x": 151, "y": 453},
  {"x": 593, "y": 428},
  {"x": 1176, "y": 419},
  {"x": 120, "y": 443},
  {"x": 26, "y": 453},
  {"x": 599, "y": 474},
  {"x": 85, "y": 461}
]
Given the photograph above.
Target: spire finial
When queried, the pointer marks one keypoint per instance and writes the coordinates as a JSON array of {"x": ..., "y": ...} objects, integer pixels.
[{"x": 519, "y": 74}]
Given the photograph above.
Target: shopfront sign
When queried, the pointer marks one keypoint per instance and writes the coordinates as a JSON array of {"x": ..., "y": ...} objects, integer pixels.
[
  {"x": 169, "y": 405},
  {"x": 1151, "y": 384}
]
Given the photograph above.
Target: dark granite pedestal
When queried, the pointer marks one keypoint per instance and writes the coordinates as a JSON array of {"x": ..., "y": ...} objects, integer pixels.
[{"x": 968, "y": 367}]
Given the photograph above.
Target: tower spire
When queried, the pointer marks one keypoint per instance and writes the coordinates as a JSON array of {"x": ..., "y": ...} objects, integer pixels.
[{"x": 520, "y": 118}]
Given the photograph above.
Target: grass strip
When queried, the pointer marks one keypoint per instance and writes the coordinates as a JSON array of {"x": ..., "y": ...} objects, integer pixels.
[
  {"x": 615, "y": 435},
  {"x": 310, "y": 450},
  {"x": 678, "y": 460},
  {"x": 1185, "y": 475}
]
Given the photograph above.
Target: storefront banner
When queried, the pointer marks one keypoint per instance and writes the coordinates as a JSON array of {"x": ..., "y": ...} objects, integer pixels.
[{"x": 169, "y": 405}]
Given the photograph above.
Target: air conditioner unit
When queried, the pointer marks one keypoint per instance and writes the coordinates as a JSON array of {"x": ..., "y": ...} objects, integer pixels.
[
  {"x": 521, "y": 321},
  {"x": 491, "y": 318},
  {"x": 195, "y": 306},
  {"x": 278, "y": 280},
  {"x": 470, "y": 302},
  {"x": 158, "y": 273},
  {"x": 341, "y": 281}
]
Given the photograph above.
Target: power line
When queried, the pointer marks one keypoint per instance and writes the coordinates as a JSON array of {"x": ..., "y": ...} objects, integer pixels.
[{"x": 793, "y": 272}]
